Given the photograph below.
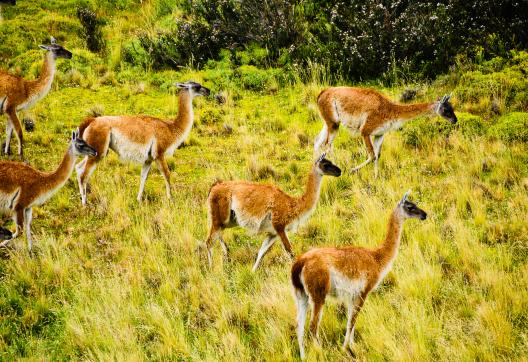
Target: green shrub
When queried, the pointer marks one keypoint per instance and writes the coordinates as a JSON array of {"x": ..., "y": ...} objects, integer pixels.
[
  {"x": 418, "y": 132},
  {"x": 470, "y": 124},
  {"x": 511, "y": 127}
]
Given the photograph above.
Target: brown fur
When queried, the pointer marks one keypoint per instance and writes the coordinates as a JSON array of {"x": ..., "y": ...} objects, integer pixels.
[
  {"x": 22, "y": 187},
  {"x": 260, "y": 208},
  {"x": 152, "y": 135},
  {"x": 15, "y": 92},
  {"x": 339, "y": 104},
  {"x": 359, "y": 270}
]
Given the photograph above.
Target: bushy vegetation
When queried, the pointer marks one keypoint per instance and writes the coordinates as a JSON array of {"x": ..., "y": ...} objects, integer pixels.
[{"x": 120, "y": 280}]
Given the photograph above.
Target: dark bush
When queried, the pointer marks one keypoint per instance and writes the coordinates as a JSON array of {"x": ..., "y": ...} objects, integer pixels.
[
  {"x": 91, "y": 29},
  {"x": 356, "y": 39}
]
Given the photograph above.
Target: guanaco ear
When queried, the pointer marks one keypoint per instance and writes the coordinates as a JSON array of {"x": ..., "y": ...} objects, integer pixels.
[
  {"x": 404, "y": 198},
  {"x": 74, "y": 135},
  {"x": 321, "y": 157},
  {"x": 53, "y": 40},
  {"x": 181, "y": 85},
  {"x": 45, "y": 47}
]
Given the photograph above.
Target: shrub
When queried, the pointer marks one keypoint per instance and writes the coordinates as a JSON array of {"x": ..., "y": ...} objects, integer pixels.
[
  {"x": 418, "y": 132},
  {"x": 470, "y": 125},
  {"x": 91, "y": 29},
  {"x": 511, "y": 127}
]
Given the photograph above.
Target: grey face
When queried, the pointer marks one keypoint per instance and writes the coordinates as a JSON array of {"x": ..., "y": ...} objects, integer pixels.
[
  {"x": 81, "y": 147},
  {"x": 445, "y": 110},
  {"x": 413, "y": 211},
  {"x": 57, "y": 50},
  {"x": 5, "y": 234},
  {"x": 196, "y": 89},
  {"x": 328, "y": 168}
]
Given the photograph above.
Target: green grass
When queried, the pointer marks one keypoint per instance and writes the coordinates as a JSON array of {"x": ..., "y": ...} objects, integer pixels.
[{"x": 119, "y": 280}]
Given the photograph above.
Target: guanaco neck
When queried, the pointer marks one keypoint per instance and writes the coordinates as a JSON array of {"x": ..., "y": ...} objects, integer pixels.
[
  {"x": 184, "y": 121},
  {"x": 311, "y": 194},
  {"x": 42, "y": 84},
  {"x": 62, "y": 173},
  {"x": 389, "y": 248},
  {"x": 406, "y": 112}
]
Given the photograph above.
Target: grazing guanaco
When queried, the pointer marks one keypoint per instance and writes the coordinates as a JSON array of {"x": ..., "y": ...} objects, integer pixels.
[
  {"x": 17, "y": 94},
  {"x": 369, "y": 113},
  {"x": 22, "y": 186},
  {"x": 263, "y": 209},
  {"x": 350, "y": 273},
  {"x": 141, "y": 139}
]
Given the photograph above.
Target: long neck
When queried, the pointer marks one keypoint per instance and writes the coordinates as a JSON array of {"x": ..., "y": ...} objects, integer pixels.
[
  {"x": 311, "y": 194},
  {"x": 389, "y": 249},
  {"x": 48, "y": 70},
  {"x": 409, "y": 111},
  {"x": 62, "y": 173},
  {"x": 185, "y": 118}
]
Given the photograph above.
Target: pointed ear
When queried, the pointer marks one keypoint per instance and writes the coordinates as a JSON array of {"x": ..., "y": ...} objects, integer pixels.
[
  {"x": 74, "y": 136},
  {"x": 45, "y": 47},
  {"x": 321, "y": 157},
  {"x": 53, "y": 40},
  {"x": 181, "y": 85},
  {"x": 404, "y": 198}
]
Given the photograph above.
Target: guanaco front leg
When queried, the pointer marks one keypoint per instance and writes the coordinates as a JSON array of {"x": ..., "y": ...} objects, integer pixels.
[
  {"x": 144, "y": 174},
  {"x": 164, "y": 168},
  {"x": 353, "y": 310},
  {"x": 15, "y": 122},
  {"x": 378, "y": 141},
  {"x": 286, "y": 242}
]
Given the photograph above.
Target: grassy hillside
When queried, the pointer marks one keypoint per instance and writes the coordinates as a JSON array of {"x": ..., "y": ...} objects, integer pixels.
[{"x": 119, "y": 280}]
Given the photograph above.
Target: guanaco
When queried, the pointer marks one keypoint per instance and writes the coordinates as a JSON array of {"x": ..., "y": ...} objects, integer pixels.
[
  {"x": 350, "y": 273},
  {"x": 141, "y": 139},
  {"x": 369, "y": 113},
  {"x": 17, "y": 93},
  {"x": 263, "y": 209},
  {"x": 5, "y": 234},
  {"x": 22, "y": 186}
]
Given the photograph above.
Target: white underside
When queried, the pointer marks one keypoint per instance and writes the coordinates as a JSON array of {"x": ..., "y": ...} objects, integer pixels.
[
  {"x": 343, "y": 287},
  {"x": 388, "y": 126}
]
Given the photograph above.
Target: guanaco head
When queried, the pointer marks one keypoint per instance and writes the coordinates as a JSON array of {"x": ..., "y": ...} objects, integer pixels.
[
  {"x": 80, "y": 147},
  {"x": 195, "y": 89},
  {"x": 326, "y": 167},
  {"x": 5, "y": 234},
  {"x": 57, "y": 50},
  {"x": 409, "y": 209},
  {"x": 444, "y": 109}
]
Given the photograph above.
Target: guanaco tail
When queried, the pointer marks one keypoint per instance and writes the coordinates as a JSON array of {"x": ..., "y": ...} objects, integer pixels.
[
  {"x": 369, "y": 113},
  {"x": 22, "y": 187},
  {"x": 263, "y": 209},
  {"x": 18, "y": 94},
  {"x": 349, "y": 273},
  {"x": 140, "y": 139}
]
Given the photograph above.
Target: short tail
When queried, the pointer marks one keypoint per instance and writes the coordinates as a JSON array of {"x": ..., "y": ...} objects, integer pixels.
[
  {"x": 296, "y": 271},
  {"x": 85, "y": 124},
  {"x": 217, "y": 181}
]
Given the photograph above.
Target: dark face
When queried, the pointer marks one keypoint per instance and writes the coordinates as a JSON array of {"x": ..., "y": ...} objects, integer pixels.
[
  {"x": 328, "y": 168},
  {"x": 82, "y": 148},
  {"x": 57, "y": 50},
  {"x": 411, "y": 210},
  {"x": 445, "y": 109},
  {"x": 5, "y": 234},
  {"x": 196, "y": 89}
]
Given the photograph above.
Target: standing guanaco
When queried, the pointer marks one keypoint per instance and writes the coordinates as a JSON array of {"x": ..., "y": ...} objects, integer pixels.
[
  {"x": 350, "y": 273},
  {"x": 17, "y": 94},
  {"x": 22, "y": 186},
  {"x": 141, "y": 139},
  {"x": 263, "y": 209},
  {"x": 369, "y": 113}
]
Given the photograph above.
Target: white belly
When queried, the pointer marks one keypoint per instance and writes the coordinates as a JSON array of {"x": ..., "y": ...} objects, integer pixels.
[
  {"x": 343, "y": 287},
  {"x": 254, "y": 224},
  {"x": 354, "y": 123},
  {"x": 388, "y": 126},
  {"x": 130, "y": 151}
]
